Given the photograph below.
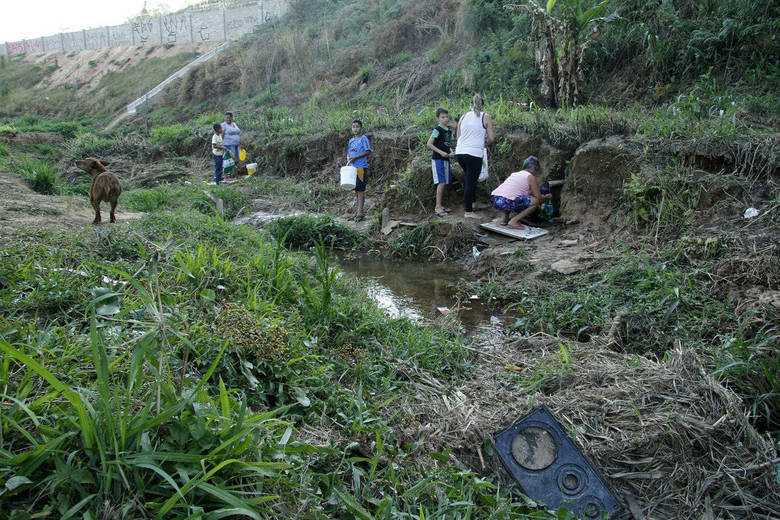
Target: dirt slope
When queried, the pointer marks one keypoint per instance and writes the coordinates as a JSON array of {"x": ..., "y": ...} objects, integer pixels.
[
  {"x": 86, "y": 68},
  {"x": 23, "y": 209}
]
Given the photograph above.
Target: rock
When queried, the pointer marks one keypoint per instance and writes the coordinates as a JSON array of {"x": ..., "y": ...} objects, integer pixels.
[
  {"x": 553, "y": 160},
  {"x": 566, "y": 267},
  {"x": 389, "y": 227},
  {"x": 594, "y": 184},
  {"x": 385, "y": 218}
]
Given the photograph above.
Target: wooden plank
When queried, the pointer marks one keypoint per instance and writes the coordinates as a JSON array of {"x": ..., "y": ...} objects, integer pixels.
[{"x": 528, "y": 233}]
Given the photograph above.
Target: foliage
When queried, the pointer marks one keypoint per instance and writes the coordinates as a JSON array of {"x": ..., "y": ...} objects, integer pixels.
[
  {"x": 564, "y": 36},
  {"x": 178, "y": 138},
  {"x": 42, "y": 176},
  {"x": 88, "y": 144},
  {"x": 191, "y": 387},
  {"x": 183, "y": 197},
  {"x": 234, "y": 201},
  {"x": 664, "y": 202},
  {"x": 663, "y": 304},
  {"x": 412, "y": 243},
  {"x": 750, "y": 362},
  {"x": 304, "y": 231}
]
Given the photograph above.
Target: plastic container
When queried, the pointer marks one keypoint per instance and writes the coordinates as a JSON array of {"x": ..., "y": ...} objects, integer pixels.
[
  {"x": 242, "y": 155},
  {"x": 546, "y": 209},
  {"x": 348, "y": 177},
  {"x": 251, "y": 168}
]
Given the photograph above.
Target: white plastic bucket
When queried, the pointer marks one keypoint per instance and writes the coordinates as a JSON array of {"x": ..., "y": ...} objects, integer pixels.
[
  {"x": 251, "y": 168},
  {"x": 348, "y": 177}
]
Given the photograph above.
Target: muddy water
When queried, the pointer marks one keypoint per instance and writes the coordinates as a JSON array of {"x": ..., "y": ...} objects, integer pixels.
[
  {"x": 420, "y": 291},
  {"x": 415, "y": 290}
]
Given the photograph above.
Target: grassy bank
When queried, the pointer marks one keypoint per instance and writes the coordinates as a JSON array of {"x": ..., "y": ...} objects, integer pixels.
[{"x": 152, "y": 375}]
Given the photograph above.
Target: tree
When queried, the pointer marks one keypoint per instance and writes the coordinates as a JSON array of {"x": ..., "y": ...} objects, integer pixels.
[{"x": 565, "y": 34}]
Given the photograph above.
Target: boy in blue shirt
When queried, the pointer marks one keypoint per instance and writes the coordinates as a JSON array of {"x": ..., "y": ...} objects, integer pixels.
[
  {"x": 439, "y": 144},
  {"x": 357, "y": 151}
]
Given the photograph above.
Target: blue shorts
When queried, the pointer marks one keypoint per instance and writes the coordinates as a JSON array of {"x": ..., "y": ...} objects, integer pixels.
[
  {"x": 441, "y": 171},
  {"x": 517, "y": 205}
]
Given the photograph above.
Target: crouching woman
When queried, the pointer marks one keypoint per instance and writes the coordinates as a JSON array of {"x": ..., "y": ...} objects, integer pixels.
[{"x": 519, "y": 194}]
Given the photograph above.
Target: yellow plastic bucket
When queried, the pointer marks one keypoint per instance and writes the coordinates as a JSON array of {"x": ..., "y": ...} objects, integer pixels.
[
  {"x": 242, "y": 155},
  {"x": 251, "y": 168}
]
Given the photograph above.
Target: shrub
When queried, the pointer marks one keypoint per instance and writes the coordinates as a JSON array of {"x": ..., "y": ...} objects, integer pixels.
[
  {"x": 412, "y": 242},
  {"x": 301, "y": 231},
  {"x": 89, "y": 144},
  {"x": 148, "y": 200},
  {"x": 234, "y": 201},
  {"x": 40, "y": 175},
  {"x": 177, "y": 138}
]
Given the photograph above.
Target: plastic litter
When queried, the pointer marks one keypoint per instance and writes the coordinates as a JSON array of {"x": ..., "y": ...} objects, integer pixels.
[
  {"x": 751, "y": 212},
  {"x": 475, "y": 252},
  {"x": 443, "y": 310}
]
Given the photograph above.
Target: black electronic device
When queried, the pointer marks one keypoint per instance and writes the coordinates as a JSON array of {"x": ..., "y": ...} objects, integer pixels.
[{"x": 551, "y": 470}]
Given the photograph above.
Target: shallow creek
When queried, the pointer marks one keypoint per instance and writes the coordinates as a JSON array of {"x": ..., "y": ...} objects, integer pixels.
[{"x": 420, "y": 291}]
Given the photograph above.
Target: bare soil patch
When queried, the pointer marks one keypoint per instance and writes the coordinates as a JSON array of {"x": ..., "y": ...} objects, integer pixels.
[
  {"x": 85, "y": 68},
  {"x": 22, "y": 209}
]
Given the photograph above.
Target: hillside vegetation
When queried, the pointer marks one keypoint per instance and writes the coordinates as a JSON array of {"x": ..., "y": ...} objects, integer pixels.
[{"x": 180, "y": 365}]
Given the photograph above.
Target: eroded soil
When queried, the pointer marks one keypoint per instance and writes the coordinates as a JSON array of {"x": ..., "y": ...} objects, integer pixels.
[{"x": 22, "y": 209}]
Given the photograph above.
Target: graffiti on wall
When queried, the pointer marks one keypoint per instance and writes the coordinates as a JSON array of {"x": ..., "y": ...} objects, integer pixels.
[
  {"x": 176, "y": 28},
  {"x": 179, "y": 28}
]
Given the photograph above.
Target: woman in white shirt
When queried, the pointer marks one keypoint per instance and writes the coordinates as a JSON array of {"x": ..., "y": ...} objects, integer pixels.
[{"x": 475, "y": 131}]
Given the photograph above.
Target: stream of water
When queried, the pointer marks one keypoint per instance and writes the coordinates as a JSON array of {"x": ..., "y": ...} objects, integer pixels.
[{"x": 419, "y": 291}]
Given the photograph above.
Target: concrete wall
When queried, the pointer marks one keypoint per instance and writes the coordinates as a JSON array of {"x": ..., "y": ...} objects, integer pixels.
[{"x": 189, "y": 26}]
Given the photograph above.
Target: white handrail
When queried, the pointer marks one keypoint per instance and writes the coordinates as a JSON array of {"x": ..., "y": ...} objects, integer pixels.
[{"x": 132, "y": 107}]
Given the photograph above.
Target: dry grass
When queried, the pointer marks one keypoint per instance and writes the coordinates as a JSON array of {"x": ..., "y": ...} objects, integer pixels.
[{"x": 671, "y": 441}]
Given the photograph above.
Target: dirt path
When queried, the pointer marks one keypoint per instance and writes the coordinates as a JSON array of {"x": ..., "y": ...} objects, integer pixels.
[{"x": 22, "y": 209}]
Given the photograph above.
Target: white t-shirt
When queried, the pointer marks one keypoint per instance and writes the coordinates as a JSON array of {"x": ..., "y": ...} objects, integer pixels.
[
  {"x": 472, "y": 135},
  {"x": 216, "y": 140}
]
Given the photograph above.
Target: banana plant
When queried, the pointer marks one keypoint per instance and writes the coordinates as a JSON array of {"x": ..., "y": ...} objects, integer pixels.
[{"x": 566, "y": 32}]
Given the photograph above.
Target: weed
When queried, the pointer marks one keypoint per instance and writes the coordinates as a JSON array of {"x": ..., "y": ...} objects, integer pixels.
[
  {"x": 412, "y": 243},
  {"x": 40, "y": 175},
  {"x": 88, "y": 144},
  {"x": 234, "y": 201},
  {"x": 662, "y": 203},
  {"x": 178, "y": 138},
  {"x": 186, "y": 386},
  {"x": 304, "y": 231}
]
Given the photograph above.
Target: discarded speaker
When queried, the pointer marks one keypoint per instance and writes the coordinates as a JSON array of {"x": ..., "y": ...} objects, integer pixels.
[{"x": 551, "y": 470}]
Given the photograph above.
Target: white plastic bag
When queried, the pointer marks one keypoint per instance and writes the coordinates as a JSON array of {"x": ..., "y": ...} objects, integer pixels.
[{"x": 483, "y": 175}]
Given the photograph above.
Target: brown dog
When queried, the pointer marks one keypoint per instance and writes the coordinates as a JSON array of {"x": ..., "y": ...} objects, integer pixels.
[{"x": 105, "y": 186}]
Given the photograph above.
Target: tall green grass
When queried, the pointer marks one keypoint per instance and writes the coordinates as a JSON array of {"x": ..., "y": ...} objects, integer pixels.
[
  {"x": 304, "y": 231},
  {"x": 42, "y": 176},
  {"x": 177, "y": 367}
]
